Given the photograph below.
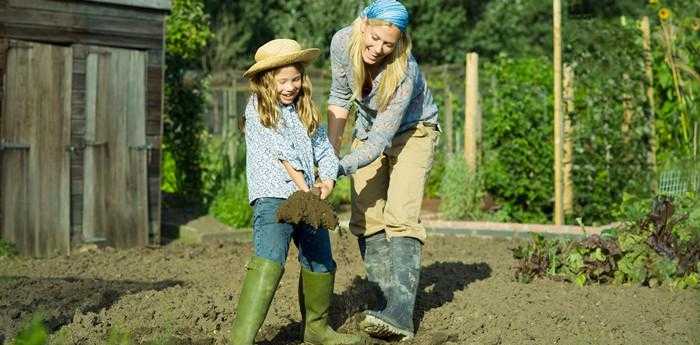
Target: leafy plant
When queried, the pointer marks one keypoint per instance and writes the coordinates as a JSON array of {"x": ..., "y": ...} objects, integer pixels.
[
  {"x": 341, "y": 193},
  {"x": 7, "y": 248},
  {"x": 33, "y": 333},
  {"x": 662, "y": 247},
  {"x": 231, "y": 206},
  {"x": 461, "y": 190}
]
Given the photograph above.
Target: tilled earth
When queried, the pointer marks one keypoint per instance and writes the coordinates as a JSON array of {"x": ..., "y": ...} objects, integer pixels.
[{"x": 184, "y": 294}]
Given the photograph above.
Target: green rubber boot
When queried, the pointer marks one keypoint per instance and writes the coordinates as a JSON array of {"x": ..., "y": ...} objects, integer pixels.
[
  {"x": 259, "y": 285},
  {"x": 315, "y": 294}
]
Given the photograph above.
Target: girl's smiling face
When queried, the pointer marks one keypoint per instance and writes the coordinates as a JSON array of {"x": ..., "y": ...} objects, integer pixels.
[
  {"x": 288, "y": 82},
  {"x": 380, "y": 41}
]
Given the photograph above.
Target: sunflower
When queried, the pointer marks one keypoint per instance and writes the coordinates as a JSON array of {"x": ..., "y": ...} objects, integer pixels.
[{"x": 664, "y": 13}]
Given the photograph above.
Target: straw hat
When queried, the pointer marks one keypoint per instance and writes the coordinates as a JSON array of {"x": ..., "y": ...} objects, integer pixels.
[{"x": 280, "y": 52}]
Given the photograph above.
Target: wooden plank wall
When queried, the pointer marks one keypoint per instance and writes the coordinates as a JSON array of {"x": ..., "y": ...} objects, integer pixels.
[
  {"x": 3, "y": 63},
  {"x": 83, "y": 24}
]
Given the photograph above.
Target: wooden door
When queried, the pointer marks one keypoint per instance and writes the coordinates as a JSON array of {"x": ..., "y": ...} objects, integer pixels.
[
  {"x": 115, "y": 199},
  {"x": 35, "y": 134}
]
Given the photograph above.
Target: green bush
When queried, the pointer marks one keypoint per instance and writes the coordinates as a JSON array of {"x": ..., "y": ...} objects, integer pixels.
[
  {"x": 33, "y": 333},
  {"x": 7, "y": 248},
  {"x": 230, "y": 205},
  {"x": 341, "y": 193},
  {"x": 517, "y": 137},
  {"x": 461, "y": 190}
]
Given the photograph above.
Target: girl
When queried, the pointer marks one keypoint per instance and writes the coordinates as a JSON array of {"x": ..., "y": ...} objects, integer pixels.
[
  {"x": 284, "y": 144},
  {"x": 396, "y": 132}
]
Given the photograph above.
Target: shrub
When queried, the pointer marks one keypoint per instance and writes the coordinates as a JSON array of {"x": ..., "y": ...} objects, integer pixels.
[
  {"x": 7, "y": 248},
  {"x": 461, "y": 190},
  {"x": 230, "y": 205},
  {"x": 341, "y": 193}
]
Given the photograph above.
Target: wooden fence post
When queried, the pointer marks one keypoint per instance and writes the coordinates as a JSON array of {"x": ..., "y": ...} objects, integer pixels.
[
  {"x": 471, "y": 109},
  {"x": 558, "y": 119},
  {"x": 568, "y": 139},
  {"x": 649, "y": 71},
  {"x": 448, "y": 112}
]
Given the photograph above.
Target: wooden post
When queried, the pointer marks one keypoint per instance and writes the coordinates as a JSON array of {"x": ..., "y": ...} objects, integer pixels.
[
  {"x": 558, "y": 119},
  {"x": 471, "y": 107},
  {"x": 648, "y": 63},
  {"x": 627, "y": 111},
  {"x": 568, "y": 139},
  {"x": 448, "y": 112}
]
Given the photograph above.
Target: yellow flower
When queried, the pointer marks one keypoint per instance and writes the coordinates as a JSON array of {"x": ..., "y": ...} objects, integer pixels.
[
  {"x": 653, "y": 2},
  {"x": 664, "y": 13}
]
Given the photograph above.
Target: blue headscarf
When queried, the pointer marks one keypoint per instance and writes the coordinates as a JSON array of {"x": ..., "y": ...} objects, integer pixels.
[{"x": 390, "y": 11}]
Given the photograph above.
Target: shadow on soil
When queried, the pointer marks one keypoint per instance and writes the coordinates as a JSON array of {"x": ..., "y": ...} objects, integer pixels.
[
  {"x": 177, "y": 211},
  {"x": 438, "y": 283},
  {"x": 59, "y": 299}
]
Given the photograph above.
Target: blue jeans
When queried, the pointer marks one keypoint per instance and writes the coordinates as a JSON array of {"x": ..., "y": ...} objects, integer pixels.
[{"x": 271, "y": 238}]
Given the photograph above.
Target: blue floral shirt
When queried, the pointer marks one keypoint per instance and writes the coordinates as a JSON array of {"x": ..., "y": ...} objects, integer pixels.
[
  {"x": 412, "y": 103},
  {"x": 266, "y": 147}
]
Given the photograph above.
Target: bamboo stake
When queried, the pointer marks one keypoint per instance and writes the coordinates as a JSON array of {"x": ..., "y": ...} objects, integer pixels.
[
  {"x": 558, "y": 119},
  {"x": 471, "y": 92},
  {"x": 649, "y": 71},
  {"x": 448, "y": 113},
  {"x": 568, "y": 140}
]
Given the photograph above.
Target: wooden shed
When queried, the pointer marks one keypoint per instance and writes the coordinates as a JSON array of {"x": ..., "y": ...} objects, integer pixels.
[{"x": 81, "y": 94}]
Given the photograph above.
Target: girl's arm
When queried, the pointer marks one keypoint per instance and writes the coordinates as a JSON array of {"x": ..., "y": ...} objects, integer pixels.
[
  {"x": 274, "y": 143},
  {"x": 297, "y": 176},
  {"x": 326, "y": 160}
]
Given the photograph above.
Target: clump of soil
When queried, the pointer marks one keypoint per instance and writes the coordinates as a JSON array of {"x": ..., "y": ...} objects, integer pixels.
[{"x": 308, "y": 208}]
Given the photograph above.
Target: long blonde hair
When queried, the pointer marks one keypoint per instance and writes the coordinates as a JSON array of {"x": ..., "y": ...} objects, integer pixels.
[
  {"x": 396, "y": 62},
  {"x": 264, "y": 87}
]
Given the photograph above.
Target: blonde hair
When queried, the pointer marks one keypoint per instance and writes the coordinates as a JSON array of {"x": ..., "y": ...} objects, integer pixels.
[
  {"x": 396, "y": 62},
  {"x": 264, "y": 87}
]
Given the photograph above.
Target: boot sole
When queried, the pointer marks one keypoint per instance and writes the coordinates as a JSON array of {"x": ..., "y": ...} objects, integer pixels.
[{"x": 378, "y": 328}]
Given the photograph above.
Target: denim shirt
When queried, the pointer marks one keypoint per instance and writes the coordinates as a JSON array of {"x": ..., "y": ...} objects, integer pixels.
[
  {"x": 266, "y": 147},
  {"x": 412, "y": 103}
]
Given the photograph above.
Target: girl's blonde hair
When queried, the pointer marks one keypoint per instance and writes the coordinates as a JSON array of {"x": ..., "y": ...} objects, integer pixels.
[
  {"x": 264, "y": 87},
  {"x": 396, "y": 62}
]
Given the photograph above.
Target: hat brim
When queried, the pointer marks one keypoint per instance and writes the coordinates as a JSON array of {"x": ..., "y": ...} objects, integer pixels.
[{"x": 303, "y": 56}]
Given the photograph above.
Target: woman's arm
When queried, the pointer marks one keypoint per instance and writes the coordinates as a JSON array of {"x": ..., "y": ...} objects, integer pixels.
[
  {"x": 326, "y": 160},
  {"x": 337, "y": 117},
  {"x": 340, "y": 93},
  {"x": 385, "y": 126}
]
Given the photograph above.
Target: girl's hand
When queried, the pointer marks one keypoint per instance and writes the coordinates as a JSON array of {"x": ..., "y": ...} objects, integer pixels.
[{"x": 326, "y": 188}]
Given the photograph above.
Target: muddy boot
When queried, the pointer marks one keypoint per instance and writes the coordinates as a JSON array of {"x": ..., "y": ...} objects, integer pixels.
[
  {"x": 375, "y": 254},
  {"x": 315, "y": 301},
  {"x": 396, "y": 319},
  {"x": 259, "y": 285}
]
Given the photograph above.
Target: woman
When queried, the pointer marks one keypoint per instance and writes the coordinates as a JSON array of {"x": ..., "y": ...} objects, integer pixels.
[
  {"x": 284, "y": 147},
  {"x": 394, "y": 141}
]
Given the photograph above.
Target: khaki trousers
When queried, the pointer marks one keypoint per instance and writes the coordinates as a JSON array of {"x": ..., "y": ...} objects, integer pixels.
[{"x": 387, "y": 194}]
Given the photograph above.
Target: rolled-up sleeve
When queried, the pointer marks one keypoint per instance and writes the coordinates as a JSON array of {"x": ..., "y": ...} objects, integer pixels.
[
  {"x": 324, "y": 155},
  {"x": 340, "y": 91},
  {"x": 382, "y": 132},
  {"x": 261, "y": 137}
]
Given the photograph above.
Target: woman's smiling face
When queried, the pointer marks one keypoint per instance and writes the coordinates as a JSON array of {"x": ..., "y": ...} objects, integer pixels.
[{"x": 380, "y": 41}]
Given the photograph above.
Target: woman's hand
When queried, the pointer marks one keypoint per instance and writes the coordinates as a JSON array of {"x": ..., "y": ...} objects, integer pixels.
[{"x": 326, "y": 188}]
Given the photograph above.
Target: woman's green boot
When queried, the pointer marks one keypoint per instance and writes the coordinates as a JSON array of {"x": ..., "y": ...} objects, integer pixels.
[
  {"x": 315, "y": 294},
  {"x": 259, "y": 285}
]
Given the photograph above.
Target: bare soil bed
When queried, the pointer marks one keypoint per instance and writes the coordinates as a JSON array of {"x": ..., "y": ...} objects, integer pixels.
[{"x": 184, "y": 294}]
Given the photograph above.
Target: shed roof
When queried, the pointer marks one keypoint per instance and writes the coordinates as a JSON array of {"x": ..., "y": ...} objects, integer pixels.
[{"x": 153, "y": 4}]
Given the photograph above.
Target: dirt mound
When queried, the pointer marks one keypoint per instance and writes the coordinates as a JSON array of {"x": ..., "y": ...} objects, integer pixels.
[{"x": 307, "y": 208}]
